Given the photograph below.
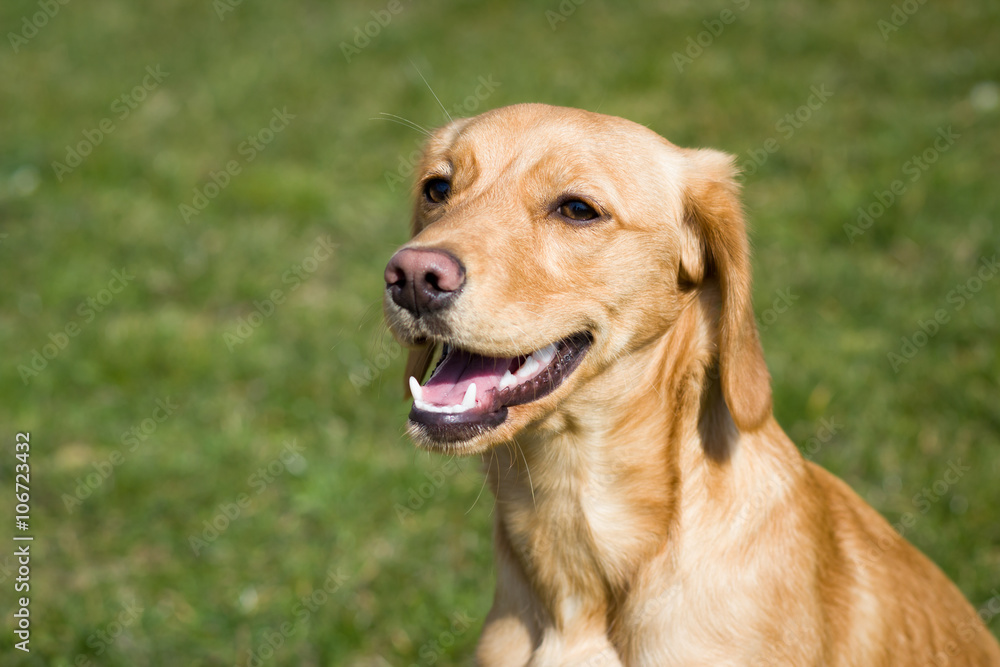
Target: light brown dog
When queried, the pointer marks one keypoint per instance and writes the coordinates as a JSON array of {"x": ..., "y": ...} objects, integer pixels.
[{"x": 588, "y": 285}]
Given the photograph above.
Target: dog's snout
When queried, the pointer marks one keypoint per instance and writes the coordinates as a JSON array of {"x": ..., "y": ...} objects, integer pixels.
[{"x": 422, "y": 281}]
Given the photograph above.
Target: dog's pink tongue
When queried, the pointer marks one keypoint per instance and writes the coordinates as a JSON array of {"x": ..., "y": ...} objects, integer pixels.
[{"x": 451, "y": 379}]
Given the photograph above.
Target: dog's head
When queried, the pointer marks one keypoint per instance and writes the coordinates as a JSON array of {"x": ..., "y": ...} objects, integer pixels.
[{"x": 548, "y": 243}]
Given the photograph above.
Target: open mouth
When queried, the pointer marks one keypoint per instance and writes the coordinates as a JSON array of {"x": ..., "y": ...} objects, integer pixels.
[{"x": 469, "y": 393}]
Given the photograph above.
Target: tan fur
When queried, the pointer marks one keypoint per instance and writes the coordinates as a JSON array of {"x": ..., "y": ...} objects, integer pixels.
[{"x": 651, "y": 511}]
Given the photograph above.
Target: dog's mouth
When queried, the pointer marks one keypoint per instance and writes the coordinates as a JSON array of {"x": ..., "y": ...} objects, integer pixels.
[{"x": 469, "y": 393}]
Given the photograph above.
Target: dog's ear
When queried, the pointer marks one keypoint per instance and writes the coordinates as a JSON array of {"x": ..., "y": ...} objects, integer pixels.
[{"x": 715, "y": 245}]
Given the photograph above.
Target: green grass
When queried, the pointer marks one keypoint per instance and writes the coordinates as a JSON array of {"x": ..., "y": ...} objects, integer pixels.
[{"x": 398, "y": 583}]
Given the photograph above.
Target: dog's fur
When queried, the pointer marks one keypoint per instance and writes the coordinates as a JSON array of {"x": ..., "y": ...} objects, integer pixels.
[{"x": 650, "y": 511}]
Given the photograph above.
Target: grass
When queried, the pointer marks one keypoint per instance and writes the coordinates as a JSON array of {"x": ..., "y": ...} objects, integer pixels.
[{"x": 369, "y": 552}]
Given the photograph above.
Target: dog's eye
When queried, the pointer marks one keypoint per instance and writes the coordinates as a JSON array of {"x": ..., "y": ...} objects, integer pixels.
[
  {"x": 577, "y": 210},
  {"x": 437, "y": 190}
]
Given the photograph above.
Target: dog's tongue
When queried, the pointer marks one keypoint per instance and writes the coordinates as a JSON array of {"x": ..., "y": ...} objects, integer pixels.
[{"x": 458, "y": 371}]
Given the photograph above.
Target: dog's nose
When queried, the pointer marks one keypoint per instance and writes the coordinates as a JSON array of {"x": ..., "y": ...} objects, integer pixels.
[{"x": 422, "y": 281}]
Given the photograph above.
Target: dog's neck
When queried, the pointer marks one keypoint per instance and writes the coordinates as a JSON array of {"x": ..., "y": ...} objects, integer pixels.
[{"x": 584, "y": 499}]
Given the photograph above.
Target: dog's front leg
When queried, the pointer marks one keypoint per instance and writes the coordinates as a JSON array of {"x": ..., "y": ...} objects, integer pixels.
[
  {"x": 507, "y": 642},
  {"x": 512, "y": 628},
  {"x": 519, "y": 632},
  {"x": 593, "y": 652}
]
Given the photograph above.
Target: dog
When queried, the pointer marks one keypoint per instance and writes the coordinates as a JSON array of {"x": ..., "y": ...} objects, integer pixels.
[{"x": 586, "y": 286}]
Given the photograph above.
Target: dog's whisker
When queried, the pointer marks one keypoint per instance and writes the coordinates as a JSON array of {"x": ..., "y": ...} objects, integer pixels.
[
  {"x": 527, "y": 469},
  {"x": 496, "y": 496},
  {"x": 375, "y": 303},
  {"x": 379, "y": 339},
  {"x": 415, "y": 125},
  {"x": 402, "y": 121},
  {"x": 446, "y": 114},
  {"x": 652, "y": 384},
  {"x": 486, "y": 479}
]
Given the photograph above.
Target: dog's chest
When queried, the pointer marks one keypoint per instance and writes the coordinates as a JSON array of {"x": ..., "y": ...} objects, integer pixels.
[{"x": 580, "y": 542}]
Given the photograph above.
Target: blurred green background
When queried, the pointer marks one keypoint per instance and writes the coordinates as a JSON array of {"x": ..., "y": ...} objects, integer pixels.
[{"x": 219, "y": 472}]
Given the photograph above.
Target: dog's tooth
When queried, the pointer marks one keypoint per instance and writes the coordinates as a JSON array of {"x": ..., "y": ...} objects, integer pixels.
[
  {"x": 528, "y": 368},
  {"x": 469, "y": 401},
  {"x": 537, "y": 360},
  {"x": 546, "y": 354},
  {"x": 508, "y": 380},
  {"x": 429, "y": 407},
  {"x": 416, "y": 390}
]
